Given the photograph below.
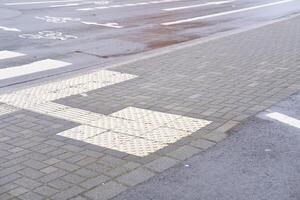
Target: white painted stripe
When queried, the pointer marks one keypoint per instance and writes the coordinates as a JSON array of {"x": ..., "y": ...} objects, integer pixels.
[
  {"x": 9, "y": 54},
  {"x": 31, "y": 68},
  {"x": 9, "y": 29},
  {"x": 65, "y": 5},
  {"x": 40, "y": 2},
  {"x": 110, "y": 25},
  {"x": 225, "y": 13},
  {"x": 198, "y": 5},
  {"x": 128, "y": 5},
  {"x": 284, "y": 119}
]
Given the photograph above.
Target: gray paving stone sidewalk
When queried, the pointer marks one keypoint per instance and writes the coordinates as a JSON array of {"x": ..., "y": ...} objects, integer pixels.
[{"x": 224, "y": 81}]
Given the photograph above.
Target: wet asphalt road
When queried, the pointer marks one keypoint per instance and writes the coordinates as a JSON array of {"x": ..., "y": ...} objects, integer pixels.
[
  {"x": 259, "y": 161},
  {"x": 84, "y": 33}
]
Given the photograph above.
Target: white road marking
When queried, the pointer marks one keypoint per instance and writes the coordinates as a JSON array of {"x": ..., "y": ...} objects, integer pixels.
[
  {"x": 127, "y": 5},
  {"x": 79, "y": 4},
  {"x": 9, "y": 29},
  {"x": 111, "y": 25},
  {"x": 31, "y": 68},
  {"x": 49, "y": 35},
  {"x": 198, "y": 5},
  {"x": 284, "y": 119},
  {"x": 65, "y": 5},
  {"x": 225, "y": 13},
  {"x": 57, "y": 20},
  {"x": 9, "y": 54},
  {"x": 40, "y": 2}
]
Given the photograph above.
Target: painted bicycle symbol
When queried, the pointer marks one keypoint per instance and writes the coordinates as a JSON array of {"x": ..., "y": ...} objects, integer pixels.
[{"x": 51, "y": 35}]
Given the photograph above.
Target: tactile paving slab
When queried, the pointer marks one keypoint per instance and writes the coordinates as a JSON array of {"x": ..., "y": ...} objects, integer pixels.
[
  {"x": 134, "y": 131},
  {"x": 33, "y": 96}
]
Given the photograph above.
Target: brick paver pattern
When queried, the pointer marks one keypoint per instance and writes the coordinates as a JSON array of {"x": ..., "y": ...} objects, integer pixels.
[{"x": 52, "y": 153}]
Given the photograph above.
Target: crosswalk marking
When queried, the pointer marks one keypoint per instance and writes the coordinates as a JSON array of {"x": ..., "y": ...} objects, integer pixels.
[
  {"x": 9, "y": 54},
  {"x": 31, "y": 68}
]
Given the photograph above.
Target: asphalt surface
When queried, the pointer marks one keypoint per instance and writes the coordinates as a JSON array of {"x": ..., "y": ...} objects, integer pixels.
[
  {"x": 88, "y": 33},
  {"x": 259, "y": 161}
]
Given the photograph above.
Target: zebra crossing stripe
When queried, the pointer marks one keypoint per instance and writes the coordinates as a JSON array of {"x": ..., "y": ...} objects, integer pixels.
[
  {"x": 9, "y": 54},
  {"x": 31, "y": 68}
]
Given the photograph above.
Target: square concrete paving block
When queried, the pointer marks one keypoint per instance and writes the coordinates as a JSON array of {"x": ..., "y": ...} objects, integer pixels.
[
  {"x": 109, "y": 139},
  {"x": 162, "y": 164},
  {"x": 46, "y": 191},
  {"x": 59, "y": 184},
  {"x": 105, "y": 191},
  {"x": 108, "y": 122},
  {"x": 18, "y": 191},
  {"x": 135, "y": 128},
  {"x": 68, "y": 193},
  {"x": 140, "y": 147},
  {"x": 95, "y": 181},
  {"x": 49, "y": 169},
  {"x": 31, "y": 196},
  {"x": 5, "y": 196},
  {"x": 215, "y": 136},
  {"x": 31, "y": 173},
  {"x": 184, "y": 152},
  {"x": 125, "y": 143},
  {"x": 79, "y": 198},
  {"x": 82, "y": 132},
  {"x": 145, "y": 116},
  {"x": 136, "y": 176},
  {"x": 227, "y": 126},
  {"x": 202, "y": 144},
  {"x": 7, "y": 109},
  {"x": 165, "y": 135},
  {"x": 27, "y": 183},
  {"x": 112, "y": 161},
  {"x": 188, "y": 124}
]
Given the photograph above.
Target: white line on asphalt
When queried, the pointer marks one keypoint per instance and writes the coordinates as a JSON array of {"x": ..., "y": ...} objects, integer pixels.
[
  {"x": 31, "y": 68},
  {"x": 65, "y": 5},
  {"x": 9, "y": 29},
  {"x": 111, "y": 25},
  {"x": 127, "y": 5},
  {"x": 40, "y": 2},
  {"x": 198, "y": 5},
  {"x": 225, "y": 13},
  {"x": 79, "y": 4},
  {"x": 284, "y": 119},
  {"x": 9, "y": 54}
]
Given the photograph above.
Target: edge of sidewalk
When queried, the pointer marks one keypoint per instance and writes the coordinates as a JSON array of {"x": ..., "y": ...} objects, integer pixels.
[{"x": 142, "y": 56}]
